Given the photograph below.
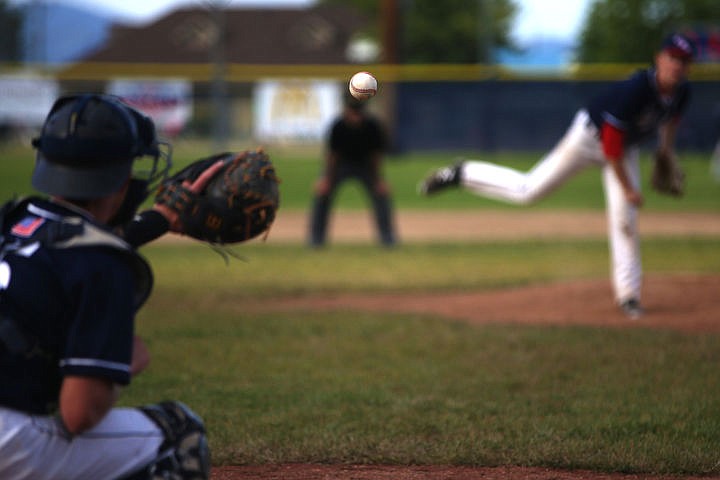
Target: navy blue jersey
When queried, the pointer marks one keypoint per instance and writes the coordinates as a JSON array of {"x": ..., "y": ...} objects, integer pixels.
[
  {"x": 357, "y": 143},
  {"x": 76, "y": 306},
  {"x": 636, "y": 107}
]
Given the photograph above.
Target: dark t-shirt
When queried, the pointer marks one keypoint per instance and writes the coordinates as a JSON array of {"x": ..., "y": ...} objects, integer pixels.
[{"x": 356, "y": 144}]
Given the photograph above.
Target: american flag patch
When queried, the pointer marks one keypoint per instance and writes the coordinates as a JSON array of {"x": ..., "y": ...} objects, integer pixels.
[{"x": 27, "y": 226}]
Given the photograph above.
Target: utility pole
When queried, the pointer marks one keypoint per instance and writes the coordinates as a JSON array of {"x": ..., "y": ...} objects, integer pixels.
[
  {"x": 485, "y": 33},
  {"x": 36, "y": 49},
  {"x": 219, "y": 89},
  {"x": 389, "y": 26},
  {"x": 389, "y": 31}
]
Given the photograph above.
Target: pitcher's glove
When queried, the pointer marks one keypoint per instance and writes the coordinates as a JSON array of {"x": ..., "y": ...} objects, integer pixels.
[
  {"x": 238, "y": 203},
  {"x": 667, "y": 177}
]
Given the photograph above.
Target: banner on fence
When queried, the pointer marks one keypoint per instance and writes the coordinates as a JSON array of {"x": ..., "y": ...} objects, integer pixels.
[
  {"x": 295, "y": 111},
  {"x": 25, "y": 101},
  {"x": 168, "y": 102}
]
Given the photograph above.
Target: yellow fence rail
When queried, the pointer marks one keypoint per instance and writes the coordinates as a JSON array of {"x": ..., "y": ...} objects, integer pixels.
[{"x": 206, "y": 72}]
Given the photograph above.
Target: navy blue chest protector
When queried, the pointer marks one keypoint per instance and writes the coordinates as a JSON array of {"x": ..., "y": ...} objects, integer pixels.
[{"x": 58, "y": 231}]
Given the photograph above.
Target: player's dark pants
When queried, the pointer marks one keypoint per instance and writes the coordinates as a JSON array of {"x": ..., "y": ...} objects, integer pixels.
[{"x": 381, "y": 206}]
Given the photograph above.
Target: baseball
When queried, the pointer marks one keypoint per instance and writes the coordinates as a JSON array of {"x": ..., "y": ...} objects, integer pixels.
[{"x": 363, "y": 85}]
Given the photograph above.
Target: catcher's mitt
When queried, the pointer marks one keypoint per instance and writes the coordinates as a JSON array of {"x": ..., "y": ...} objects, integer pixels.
[
  {"x": 239, "y": 202},
  {"x": 667, "y": 177}
]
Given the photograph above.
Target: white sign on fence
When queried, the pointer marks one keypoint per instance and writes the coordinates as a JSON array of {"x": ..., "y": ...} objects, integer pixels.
[
  {"x": 26, "y": 100},
  {"x": 295, "y": 110},
  {"x": 168, "y": 102}
]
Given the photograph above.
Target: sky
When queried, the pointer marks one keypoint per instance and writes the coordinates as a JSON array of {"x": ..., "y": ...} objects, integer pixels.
[{"x": 545, "y": 18}]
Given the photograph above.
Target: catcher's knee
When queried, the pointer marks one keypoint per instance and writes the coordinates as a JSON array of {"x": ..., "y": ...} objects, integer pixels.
[{"x": 184, "y": 455}]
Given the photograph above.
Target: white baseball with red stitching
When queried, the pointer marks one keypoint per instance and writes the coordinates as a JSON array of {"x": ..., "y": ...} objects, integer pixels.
[{"x": 363, "y": 85}]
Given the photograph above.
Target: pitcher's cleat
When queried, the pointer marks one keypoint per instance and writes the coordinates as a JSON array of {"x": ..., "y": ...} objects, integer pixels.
[
  {"x": 441, "y": 179},
  {"x": 632, "y": 308}
]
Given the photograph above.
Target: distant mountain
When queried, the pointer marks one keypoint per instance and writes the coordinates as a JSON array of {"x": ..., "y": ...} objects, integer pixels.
[
  {"x": 540, "y": 53},
  {"x": 55, "y": 33}
]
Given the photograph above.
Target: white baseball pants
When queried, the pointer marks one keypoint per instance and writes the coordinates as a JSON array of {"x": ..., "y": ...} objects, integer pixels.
[
  {"x": 577, "y": 150},
  {"x": 36, "y": 448}
]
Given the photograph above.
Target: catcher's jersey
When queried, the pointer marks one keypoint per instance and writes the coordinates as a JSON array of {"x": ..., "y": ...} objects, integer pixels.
[
  {"x": 636, "y": 107},
  {"x": 66, "y": 311}
]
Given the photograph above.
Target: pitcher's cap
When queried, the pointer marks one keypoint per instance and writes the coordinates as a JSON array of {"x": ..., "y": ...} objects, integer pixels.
[{"x": 678, "y": 45}]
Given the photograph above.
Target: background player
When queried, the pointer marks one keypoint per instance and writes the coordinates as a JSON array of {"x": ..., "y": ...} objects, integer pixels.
[
  {"x": 356, "y": 146},
  {"x": 69, "y": 291},
  {"x": 606, "y": 133}
]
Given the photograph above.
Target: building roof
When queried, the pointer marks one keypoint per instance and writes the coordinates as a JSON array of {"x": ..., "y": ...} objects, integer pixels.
[{"x": 318, "y": 35}]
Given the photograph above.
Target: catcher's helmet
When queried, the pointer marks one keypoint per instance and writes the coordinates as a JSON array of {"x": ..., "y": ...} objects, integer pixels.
[{"x": 88, "y": 145}]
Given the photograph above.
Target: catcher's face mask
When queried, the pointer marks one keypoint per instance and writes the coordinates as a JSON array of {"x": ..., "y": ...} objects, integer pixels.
[{"x": 147, "y": 174}]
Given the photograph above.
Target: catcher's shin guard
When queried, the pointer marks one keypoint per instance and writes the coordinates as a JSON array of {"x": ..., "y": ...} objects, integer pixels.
[{"x": 184, "y": 455}]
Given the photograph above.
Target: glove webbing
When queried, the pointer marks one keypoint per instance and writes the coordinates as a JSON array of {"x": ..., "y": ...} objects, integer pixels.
[{"x": 177, "y": 197}]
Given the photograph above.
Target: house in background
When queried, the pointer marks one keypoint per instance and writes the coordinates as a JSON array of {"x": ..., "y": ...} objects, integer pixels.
[
  {"x": 219, "y": 54},
  {"x": 318, "y": 35}
]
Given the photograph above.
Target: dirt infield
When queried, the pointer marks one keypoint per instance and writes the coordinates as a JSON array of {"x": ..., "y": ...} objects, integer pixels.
[
  {"x": 491, "y": 225},
  {"x": 690, "y": 303},
  {"x": 433, "y": 472}
]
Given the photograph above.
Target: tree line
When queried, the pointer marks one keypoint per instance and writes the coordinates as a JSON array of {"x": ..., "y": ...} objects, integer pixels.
[{"x": 467, "y": 31}]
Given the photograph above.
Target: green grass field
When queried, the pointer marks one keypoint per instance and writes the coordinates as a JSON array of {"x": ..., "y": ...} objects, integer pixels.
[
  {"x": 298, "y": 172},
  {"x": 415, "y": 389},
  {"x": 350, "y": 387}
]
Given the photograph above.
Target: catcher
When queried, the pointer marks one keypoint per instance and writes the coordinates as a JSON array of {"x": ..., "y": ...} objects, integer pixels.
[
  {"x": 70, "y": 287},
  {"x": 607, "y": 133}
]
